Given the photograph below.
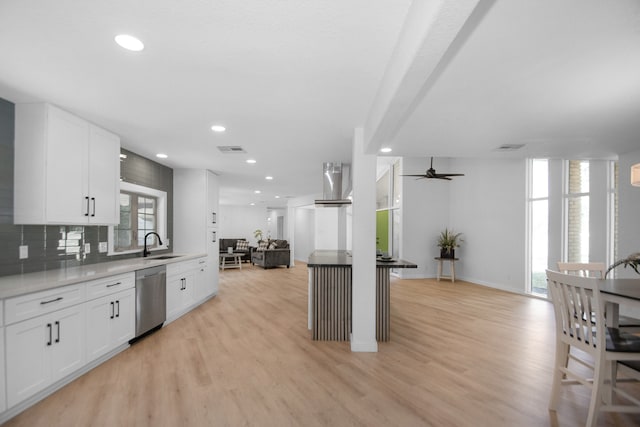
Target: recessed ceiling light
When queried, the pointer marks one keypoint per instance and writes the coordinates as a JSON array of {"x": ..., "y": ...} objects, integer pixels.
[
  {"x": 161, "y": 156},
  {"x": 277, "y": 197},
  {"x": 218, "y": 128},
  {"x": 251, "y": 161},
  {"x": 268, "y": 178},
  {"x": 129, "y": 42},
  {"x": 385, "y": 150},
  {"x": 252, "y": 204},
  {"x": 257, "y": 191}
]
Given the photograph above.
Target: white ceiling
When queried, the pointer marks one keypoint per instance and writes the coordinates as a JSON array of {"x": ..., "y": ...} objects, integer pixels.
[{"x": 291, "y": 79}]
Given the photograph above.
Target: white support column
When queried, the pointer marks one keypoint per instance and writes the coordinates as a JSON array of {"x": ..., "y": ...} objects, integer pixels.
[{"x": 363, "y": 335}]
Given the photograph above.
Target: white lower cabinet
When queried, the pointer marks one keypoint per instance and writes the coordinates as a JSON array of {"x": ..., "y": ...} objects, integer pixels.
[
  {"x": 3, "y": 395},
  {"x": 180, "y": 293},
  {"x": 203, "y": 280},
  {"x": 43, "y": 350},
  {"x": 111, "y": 322}
]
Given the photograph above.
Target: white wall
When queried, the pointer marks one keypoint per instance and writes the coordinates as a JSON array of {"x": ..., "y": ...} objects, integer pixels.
[
  {"x": 488, "y": 205},
  {"x": 425, "y": 212},
  {"x": 242, "y": 221},
  {"x": 629, "y": 213},
  {"x": 330, "y": 228},
  {"x": 304, "y": 237}
]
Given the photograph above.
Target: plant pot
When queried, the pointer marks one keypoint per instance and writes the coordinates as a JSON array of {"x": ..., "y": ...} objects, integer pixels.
[{"x": 447, "y": 253}]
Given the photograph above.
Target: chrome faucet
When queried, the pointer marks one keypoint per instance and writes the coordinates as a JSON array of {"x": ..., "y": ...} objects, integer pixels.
[{"x": 146, "y": 252}]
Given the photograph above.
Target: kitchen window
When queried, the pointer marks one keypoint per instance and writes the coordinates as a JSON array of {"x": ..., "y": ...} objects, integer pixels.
[{"x": 142, "y": 210}]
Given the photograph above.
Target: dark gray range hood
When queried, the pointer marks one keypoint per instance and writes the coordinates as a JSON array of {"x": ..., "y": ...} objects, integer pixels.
[{"x": 336, "y": 178}]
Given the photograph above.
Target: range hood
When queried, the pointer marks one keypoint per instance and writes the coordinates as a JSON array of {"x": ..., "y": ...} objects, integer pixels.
[{"x": 336, "y": 178}]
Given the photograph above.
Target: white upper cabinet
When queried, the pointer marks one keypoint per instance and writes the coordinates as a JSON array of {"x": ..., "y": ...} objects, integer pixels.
[{"x": 67, "y": 170}]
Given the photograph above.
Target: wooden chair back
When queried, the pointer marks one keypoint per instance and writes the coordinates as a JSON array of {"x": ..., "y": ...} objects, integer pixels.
[
  {"x": 578, "y": 309},
  {"x": 583, "y": 269}
]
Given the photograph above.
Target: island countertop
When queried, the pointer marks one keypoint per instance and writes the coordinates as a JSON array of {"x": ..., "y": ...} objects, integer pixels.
[{"x": 342, "y": 258}]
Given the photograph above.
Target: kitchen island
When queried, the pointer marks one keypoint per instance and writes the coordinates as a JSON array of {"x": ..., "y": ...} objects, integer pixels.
[{"x": 330, "y": 295}]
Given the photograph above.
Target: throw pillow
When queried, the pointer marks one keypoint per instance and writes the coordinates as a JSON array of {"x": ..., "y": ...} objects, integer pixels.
[
  {"x": 242, "y": 245},
  {"x": 262, "y": 245},
  {"x": 273, "y": 245}
]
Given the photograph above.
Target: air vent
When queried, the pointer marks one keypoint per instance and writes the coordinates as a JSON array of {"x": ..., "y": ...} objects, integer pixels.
[
  {"x": 231, "y": 149},
  {"x": 509, "y": 147}
]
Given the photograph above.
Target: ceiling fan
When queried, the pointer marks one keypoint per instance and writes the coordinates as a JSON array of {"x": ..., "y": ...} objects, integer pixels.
[{"x": 431, "y": 173}]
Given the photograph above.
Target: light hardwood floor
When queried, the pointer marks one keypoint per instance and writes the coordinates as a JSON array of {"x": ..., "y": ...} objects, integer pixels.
[{"x": 460, "y": 355}]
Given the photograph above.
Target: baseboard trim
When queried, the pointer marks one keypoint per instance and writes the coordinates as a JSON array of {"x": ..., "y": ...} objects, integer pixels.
[{"x": 363, "y": 346}]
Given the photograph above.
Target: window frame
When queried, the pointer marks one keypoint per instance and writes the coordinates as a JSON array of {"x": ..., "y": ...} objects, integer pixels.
[{"x": 161, "y": 217}]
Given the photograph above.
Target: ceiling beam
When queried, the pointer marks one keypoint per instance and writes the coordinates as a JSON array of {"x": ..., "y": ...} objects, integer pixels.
[{"x": 429, "y": 31}]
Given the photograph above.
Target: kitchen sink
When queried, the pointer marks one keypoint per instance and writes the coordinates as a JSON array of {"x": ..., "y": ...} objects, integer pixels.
[{"x": 164, "y": 257}]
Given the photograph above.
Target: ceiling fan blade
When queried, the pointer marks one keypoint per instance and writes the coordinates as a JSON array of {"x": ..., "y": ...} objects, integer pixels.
[
  {"x": 438, "y": 175},
  {"x": 420, "y": 175},
  {"x": 442, "y": 177}
]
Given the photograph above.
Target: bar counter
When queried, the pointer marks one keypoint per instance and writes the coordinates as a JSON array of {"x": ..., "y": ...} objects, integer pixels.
[{"x": 330, "y": 295}]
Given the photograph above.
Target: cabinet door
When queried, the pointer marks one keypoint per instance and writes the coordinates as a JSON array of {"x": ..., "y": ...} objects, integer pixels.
[
  {"x": 104, "y": 176},
  {"x": 67, "y": 351},
  {"x": 123, "y": 326},
  {"x": 3, "y": 396},
  {"x": 97, "y": 334},
  {"x": 66, "y": 177},
  {"x": 213, "y": 261},
  {"x": 202, "y": 285},
  {"x": 175, "y": 286},
  {"x": 189, "y": 291},
  {"x": 212, "y": 199},
  {"x": 28, "y": 365}
]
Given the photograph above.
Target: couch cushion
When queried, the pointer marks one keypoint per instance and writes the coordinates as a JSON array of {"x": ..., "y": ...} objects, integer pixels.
[
  {"x": 242, "y": 245},
  {"x": 262, "y": 245},
  {"x": 273, "y": 245}
]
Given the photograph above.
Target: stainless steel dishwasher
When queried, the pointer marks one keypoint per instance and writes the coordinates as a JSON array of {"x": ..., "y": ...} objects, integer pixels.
[{"x": 151, "y": 299}]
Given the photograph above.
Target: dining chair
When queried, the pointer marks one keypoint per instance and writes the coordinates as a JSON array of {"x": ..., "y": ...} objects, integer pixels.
[
  {"x": 597, "y": 270},
  {"x": 584, "y": 269},
  {"x": 580, "y": 324}
]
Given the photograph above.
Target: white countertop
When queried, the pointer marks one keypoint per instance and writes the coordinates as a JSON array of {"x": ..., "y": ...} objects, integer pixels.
[{"x": 21, "y": 284}]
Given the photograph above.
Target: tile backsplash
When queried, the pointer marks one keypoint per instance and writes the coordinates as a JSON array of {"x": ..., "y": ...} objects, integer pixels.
[{"x": 54, "y": 246}]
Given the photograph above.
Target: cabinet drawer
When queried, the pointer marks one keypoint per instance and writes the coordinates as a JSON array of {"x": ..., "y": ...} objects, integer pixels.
[
  {"x": 177, "y": 268},
  {"x": 32, "y": 305},
  {"x": 109, "y": 285}
]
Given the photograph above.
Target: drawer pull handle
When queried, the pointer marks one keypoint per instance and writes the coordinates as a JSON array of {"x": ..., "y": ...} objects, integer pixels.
[
  {"x": 114, "y": 284},
  {"x": 49, "y": 326},
  {"x": 50, "y": 301},
  {"x": 113, "y": 310},
  {"x": 58, "y": 327},
  {"x": 118, "y": 306}
]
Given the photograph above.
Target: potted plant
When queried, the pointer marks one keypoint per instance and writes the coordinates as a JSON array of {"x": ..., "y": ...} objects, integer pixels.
[
  {"x": 632, "y": 261},
  {"x": 258, "y": 235},
  {"x": 448, "y": 241}
]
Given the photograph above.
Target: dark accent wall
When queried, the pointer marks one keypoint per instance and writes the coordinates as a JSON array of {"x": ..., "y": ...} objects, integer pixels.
[{"x": 52, "y": 247}]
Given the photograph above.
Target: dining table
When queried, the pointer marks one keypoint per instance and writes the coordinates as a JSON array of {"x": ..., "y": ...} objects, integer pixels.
[{"x": 616, "y": 292}]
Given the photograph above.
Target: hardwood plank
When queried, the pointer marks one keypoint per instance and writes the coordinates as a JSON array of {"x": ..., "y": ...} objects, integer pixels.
[{"x": 460, "y": 355}]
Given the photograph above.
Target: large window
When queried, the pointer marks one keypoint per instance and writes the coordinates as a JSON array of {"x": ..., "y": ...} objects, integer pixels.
[
  {"x": 142, "y": 210},
  {"x": 538, "y": 225},
  {"x": 388, "y": 196},
  {"x": 577, "y": 211}
]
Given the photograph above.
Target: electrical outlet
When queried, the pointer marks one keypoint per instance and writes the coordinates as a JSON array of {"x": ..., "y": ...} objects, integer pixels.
[
  {"x": 87, "y": 248},
  {"x": 24, "y": 252},
  {"x": 102, "y": 247}
]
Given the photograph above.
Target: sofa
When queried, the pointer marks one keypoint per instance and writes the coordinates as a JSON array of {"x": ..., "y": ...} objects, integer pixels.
[
  {"x": 271, "y": 253},
  {"x": 233, "y": 243}
]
